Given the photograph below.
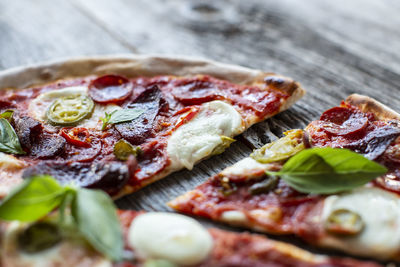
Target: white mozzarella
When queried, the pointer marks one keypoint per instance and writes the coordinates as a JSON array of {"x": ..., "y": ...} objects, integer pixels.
[
  {"x": 380, "y": 212},
  {"x": 198, "y": 138},
  {"x": 38, "y": 107},
  {"x": 170, "y": 236},
  {"x": 245, "y": 167},
  {"x": 234, "y": 217}
]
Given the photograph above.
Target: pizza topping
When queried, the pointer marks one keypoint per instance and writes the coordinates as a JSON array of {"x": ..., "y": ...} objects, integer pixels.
[
  {"x": 70, "y": 110},
  {"x": 197, "y": 91},
  {"x": 121, "y": 115},
  {"x": 226, "y": 142},
  {"x": 27, "y": 130},
  {"x": 264, "y": 186},
  {"x": 199, "y": 137},
  {"x": 108, "y": 176},
  {"x": 178, "y": 239},
  {"x": 75, "y": 153},
  {"x": 343, "y": 121},
  {"x": 344, "y": 222},
  {"x": 150, "y": 102},
  {"x": 158, "y": 263},
  {"x": 110, "y": 89},
  {"x": 90, "y": 210},
  {"x": 380, "y": 215},
  {"x": 38, "y": 237},
  {"x": 153, "y": 160},
  {"x": 227, "y": 187},
  {"x": 280, "y": 149},
  {"x": 47, "y": 146},
  {"x": 328, "y": 170},
  {"x": 9, "y": 142},
  {"x": 122, "y": 150},
  {"x": 77, "y": 136},
  {"x": 375, "y": 143},
  {"x": 7, "y": 114}
]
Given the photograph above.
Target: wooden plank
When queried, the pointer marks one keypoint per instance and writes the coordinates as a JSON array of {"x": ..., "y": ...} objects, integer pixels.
[
  {"x": 333, "y": 48},
  {"x": 34, "y": 31}
]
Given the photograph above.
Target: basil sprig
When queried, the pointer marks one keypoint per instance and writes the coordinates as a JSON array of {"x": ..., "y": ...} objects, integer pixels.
[
  {"x": 93, "y": 212},
  {"x": 9, "y": 142},
  {"x": 121, "y": 115},
  {"x": 328, "y": 170}
]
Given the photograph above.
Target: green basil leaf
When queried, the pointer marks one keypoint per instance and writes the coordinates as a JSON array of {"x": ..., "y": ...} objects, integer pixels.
[
  {"x": 33, "y": 199},
  {"x": 328, "y": 170},
  {"x": 9, "y": 142},
  {"x": 96, "y": 218},
  {"x": 105, "y": 120},
  {"x": 124, "y": 115}
]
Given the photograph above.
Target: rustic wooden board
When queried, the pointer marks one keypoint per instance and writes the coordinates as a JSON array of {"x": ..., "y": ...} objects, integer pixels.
[{"x": 334, "y": 48}]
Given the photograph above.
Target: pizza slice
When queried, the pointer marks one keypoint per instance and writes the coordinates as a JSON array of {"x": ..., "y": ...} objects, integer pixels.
[
  {"x": 85, "y": 230},
  {"x": 120, "y": 123},
  {"x": 325, "y": 194}
]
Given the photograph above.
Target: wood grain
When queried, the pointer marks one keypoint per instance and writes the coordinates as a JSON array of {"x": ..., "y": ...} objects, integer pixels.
[{"x": 334, "y": 48}]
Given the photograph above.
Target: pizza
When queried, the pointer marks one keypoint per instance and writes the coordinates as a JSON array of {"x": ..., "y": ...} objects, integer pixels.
[
  {"x": 179, "y": 241},
  {"x": 120, "y": 123},
  {"x": 362, "y": 219}
]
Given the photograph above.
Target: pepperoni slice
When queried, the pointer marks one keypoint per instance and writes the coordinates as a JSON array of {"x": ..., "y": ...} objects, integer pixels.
[
  {"x": 75, "y": 153},
  {"x": 110, "y": 89},
  {"x": 343, "y": 121},
  {"x": 196, "y": 92}
]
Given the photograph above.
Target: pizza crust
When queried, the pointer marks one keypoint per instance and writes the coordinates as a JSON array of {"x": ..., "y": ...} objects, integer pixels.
[
  {"x": 368, "y": 104},
  {"x": 132, "y": 65}
]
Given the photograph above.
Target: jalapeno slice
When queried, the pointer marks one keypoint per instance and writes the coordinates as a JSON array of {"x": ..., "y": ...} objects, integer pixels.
[
  {"x": 70, "y": 110},
  {"x": 123, "y": 149},
  {"x": 38, "y": 237},
  {"x": 280, "y": 149},
  {"x": 344, "y": 222}
]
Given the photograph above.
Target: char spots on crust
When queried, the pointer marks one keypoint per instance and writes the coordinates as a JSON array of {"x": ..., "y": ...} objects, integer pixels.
[{"x": 281, "y": 83}]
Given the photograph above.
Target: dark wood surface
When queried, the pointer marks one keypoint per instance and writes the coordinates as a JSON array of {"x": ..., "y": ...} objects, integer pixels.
[{"x": 334, "y": 48}]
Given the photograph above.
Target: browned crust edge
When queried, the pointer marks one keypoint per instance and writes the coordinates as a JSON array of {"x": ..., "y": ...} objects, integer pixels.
[{"x": 368, "y": 104}]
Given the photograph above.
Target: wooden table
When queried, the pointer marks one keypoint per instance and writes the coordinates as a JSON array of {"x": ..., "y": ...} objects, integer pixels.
[{"x": 334, "y": 48}]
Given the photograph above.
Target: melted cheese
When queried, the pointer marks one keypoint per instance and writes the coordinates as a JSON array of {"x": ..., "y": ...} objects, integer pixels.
[
  {"x": 380, "y": 212},
  {"x": 38, "y": 107},
  {"x": 169, "y": 236},
  {"x": 247, "y": 167},
  {"x": 10, "y": 173},
  {"x": 70, "y": 252},
  {"x": 198, "y": 138}
]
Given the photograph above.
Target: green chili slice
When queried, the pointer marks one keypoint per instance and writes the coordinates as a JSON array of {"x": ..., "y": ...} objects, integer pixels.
[
  {"x": 280, "y": 149},
  {"x": 38, "y": 237},
  {"x": 70, "y": 110},
  {"x": 123, "y": 149},
  {"x": 344, "y": 222}
]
